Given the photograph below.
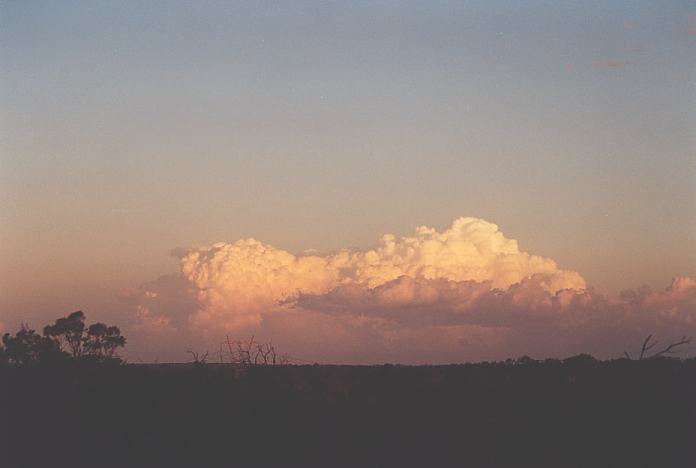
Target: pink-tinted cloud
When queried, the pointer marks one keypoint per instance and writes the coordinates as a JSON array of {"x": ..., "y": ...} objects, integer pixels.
[
  {"x": 523, "y": 319},
  {"x": 239, "y": 283},
  {"x": 160, "y": 318},
  {"x": 466, "y": 293}
]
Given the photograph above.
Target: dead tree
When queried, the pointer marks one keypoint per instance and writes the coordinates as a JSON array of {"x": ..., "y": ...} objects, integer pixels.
[
  {"x": 265, "y": 354},
  {"x": 649, "y": 343},
  {"x": 254, "y": 353},
  {"x": 241, "y": 352},
  {"x": 198, "y": 360}
]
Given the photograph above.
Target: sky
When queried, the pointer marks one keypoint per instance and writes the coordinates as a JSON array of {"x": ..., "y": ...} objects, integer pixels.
[{"x": 135, "y": 137}]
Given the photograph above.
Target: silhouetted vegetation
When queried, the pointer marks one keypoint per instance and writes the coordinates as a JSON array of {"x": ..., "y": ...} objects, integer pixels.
[
  {"x": 577, "y": 412},
  {"x": 669, "y": 350},
  {"x": 68, "y": 339},
  {"x": 27, "y": 347},
  {"x": 251, "y": 353}
]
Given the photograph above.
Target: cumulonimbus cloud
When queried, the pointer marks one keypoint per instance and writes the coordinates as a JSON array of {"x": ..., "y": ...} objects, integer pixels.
[
  {"x": 467, "y": 291},
  {"x": 238, "y": 283}
]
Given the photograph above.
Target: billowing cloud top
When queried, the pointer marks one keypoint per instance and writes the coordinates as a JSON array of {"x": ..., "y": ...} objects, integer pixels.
[
  {"x": 465, "y": 293},
  {"x": 239, "y": 282}
]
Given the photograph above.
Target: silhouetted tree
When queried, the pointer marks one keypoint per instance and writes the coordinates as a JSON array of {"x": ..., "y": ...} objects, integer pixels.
[
  {"x": 28, "y": 347},
  {"x": 68, "y": 332},
  {"x": 96, "y": 342},
  {"x": 102, "y": 340},
  {"x": 251, "y": 352},
  {"x": 66, "y": 338}
]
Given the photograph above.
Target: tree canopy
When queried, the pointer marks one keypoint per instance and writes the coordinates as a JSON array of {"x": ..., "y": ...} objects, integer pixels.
[{"x": 67, "y": 339}]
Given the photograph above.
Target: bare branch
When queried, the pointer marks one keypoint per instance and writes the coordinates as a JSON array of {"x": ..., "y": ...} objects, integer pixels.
[
  {"x": 252, "y": 352},
  {"x": 672, "y": 348},
  {"x": 197, "y": 359},
  {"x": 646, "y": 346}
]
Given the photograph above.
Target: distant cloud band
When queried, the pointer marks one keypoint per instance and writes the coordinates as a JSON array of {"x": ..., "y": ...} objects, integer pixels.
[{"x": 466, "y": 291}]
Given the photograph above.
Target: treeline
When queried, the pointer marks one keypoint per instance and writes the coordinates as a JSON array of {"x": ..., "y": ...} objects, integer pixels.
[{"x": 68, "y": 339}]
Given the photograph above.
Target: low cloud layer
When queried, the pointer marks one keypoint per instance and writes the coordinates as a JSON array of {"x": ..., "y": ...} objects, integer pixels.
[{"x": 465, "y": 293}]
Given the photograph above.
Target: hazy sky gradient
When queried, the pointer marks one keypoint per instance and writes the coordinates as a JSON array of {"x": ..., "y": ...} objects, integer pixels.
[{"x": 129, "y": 129}]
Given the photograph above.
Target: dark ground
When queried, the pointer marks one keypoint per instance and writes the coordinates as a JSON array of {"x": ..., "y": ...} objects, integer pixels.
[{"x": 576, "y": 413}]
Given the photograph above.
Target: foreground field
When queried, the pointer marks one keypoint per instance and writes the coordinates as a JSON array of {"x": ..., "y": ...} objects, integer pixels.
[{"x": 573, "y": 413}]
